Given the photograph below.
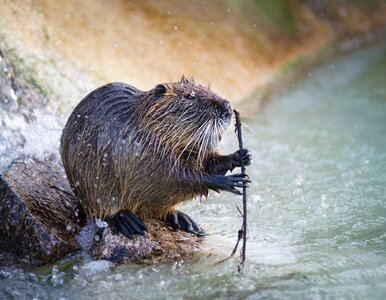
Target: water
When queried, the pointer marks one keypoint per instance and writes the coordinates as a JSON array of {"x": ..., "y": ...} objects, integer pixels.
[{"x": 317, "y": 206}]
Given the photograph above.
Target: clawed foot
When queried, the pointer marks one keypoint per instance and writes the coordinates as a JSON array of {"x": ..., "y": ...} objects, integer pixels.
[
  {"x": 243, "y": 155},
  {"x": 180, "y": 221},
  {"x": 228, "y": 183},
  {"x": 128, "y": 224}
]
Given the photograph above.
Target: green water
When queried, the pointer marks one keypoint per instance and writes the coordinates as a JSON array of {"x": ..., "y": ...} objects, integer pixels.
[{"x": 317, "y": 206}]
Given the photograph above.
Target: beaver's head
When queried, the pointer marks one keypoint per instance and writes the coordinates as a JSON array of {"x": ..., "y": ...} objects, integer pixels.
[{"x": 187, "y": 117}]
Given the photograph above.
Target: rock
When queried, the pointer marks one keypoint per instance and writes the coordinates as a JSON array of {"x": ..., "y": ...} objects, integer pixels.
[
  {"x": 41, "y": 221},
  {"x": 160, "y": 243},
  {"x": 95, "y": 267},
  {"x": 38, "y": 215}
]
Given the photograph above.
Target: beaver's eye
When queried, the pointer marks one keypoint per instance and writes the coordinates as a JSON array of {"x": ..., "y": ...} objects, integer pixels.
[
  {"x": 191, "y": 95},
  {"x": 159, "y": 91}
]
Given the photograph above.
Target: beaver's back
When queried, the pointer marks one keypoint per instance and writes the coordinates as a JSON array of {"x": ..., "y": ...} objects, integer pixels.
[
  {"x": 102, "y": 105},
  {"x": 89, "y": 140}
]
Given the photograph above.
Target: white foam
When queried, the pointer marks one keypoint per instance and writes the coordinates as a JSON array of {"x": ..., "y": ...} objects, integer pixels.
[{"x": 272, "y": 253}]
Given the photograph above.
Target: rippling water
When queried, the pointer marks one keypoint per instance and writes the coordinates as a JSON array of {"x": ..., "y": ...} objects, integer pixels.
[{"x": 317, "y": 206}]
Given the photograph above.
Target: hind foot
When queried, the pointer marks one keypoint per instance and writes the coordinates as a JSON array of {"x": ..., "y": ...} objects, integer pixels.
[
  {"x": 128, "y": 224},
  {"x": 180, "y": 221}
]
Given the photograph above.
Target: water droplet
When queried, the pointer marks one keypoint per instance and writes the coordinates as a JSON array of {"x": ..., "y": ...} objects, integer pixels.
[
  {"x": 12, "y": 94},
  {"x": 101, "y": 224},
  {"x": 299, "y": 180}
]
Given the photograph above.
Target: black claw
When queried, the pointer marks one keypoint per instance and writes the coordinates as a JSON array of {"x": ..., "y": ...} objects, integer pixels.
[
  {"x": 201, "y": 233},
  {"x": 134, "y": 223},
  {"x": 126, "y": 231},
  {"x": 185, "y": 224},
  {"x": 239, "y": 176},
  {"x": 128, "y": 224},
  {"x": 172, "y": 221},
  {"x": 179, "y": 220},
  {"x": 115, "y": 225},
  {"x": 134, "y": 229},
  {"x": 194, "y": 225},
  {"x": 235, "y": 191}
]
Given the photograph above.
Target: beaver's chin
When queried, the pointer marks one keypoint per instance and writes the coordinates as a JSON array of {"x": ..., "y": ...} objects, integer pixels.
[
  {"x": 225, "y": 125},
  {"x": 215, "y": 140}
]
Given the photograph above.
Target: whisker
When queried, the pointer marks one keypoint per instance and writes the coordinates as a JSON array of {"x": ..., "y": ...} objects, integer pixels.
[{"x": 248, "y": 128}]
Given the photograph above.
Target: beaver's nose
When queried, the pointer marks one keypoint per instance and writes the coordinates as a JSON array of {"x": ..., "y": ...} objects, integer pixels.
[{"x": 226, "y": 111}]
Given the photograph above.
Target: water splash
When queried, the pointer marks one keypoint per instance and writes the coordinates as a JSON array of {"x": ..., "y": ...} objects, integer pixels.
[{"x": 37, "y": 136}]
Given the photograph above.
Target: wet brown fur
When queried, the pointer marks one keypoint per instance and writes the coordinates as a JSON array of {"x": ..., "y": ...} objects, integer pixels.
[{"x": 124, "y": 149}]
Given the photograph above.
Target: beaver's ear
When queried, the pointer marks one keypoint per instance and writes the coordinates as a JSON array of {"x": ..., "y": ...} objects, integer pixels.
[{"x": 160, "y": 90}]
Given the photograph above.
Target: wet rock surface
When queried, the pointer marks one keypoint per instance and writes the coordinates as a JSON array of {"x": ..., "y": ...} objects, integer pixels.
[
  {"x": 41, "y": 221},
  {"x": 37, "y": 213},
  {"x": 159, "y": 243}
]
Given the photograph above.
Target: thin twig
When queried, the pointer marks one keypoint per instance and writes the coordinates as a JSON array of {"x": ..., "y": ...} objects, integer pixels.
[
  {"x": 242, "y": 233},
  {"x": 244, "y": 227}
]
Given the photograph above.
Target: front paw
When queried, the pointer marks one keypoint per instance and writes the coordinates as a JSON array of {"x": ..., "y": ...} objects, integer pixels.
[
  {"x": 228, "y": 183},
  {"x": 242, "y": 156}
]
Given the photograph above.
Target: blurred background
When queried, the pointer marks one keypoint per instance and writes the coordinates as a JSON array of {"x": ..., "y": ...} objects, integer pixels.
[
  {"x": 316, "y": 205},
  {"x": 67, "y": 48}
]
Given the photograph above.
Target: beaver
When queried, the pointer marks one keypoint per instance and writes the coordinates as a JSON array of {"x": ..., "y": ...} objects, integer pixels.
[{"x": 131, "y": 155}]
